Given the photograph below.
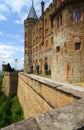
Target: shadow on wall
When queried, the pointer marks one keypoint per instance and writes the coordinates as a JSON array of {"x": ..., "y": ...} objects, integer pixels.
[{"x": 81, "y": 128}]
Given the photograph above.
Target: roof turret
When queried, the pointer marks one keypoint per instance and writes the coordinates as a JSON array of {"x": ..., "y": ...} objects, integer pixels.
[{"x": 32, "y": 12}]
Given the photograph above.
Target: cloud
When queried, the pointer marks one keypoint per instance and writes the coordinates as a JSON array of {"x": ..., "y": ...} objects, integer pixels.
[
  {"x": 21, "y": 18},
  {"x": 17, "y": 5},
  {"x": 1, "y": 33},
  {"x": 3, "y": 8},
  {"x": 8, "y": 54},
  {"x": 2, "y": 17},
  {"x": 16, "y": 38},
  {"x": 22, "y": 7}
]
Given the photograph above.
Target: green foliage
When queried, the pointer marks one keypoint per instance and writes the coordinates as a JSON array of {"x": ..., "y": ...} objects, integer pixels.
[
  {"x": 16, "y": 110},
  {"x": 10, "y": 109},
  {"x": 0, "y": 83},
  {"x": 5, "y": 112}
]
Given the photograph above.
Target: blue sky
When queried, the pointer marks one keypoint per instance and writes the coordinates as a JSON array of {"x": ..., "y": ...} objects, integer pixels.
[{"x": 12, "y": 16}]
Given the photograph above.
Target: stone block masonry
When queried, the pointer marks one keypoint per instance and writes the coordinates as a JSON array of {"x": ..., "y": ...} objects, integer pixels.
[
  {"x": 70, "y": 116},
  {"x": 38, "y": 95},
  {"x": 68, "y": 48},
  {"x": 10, "y": 82}
]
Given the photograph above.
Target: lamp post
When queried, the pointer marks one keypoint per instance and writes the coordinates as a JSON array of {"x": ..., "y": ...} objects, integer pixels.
[{"x": 15, "y": 64}]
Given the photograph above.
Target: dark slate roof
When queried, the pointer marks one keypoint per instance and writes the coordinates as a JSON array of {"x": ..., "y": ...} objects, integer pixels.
[{"x": 32, "y": 12}]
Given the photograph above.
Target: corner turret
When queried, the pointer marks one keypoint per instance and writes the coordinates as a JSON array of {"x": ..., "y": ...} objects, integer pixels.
[{"x": 32, "y": 12}]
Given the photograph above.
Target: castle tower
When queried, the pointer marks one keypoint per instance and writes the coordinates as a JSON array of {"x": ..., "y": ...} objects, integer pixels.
[{"x": 28, "y": 26}]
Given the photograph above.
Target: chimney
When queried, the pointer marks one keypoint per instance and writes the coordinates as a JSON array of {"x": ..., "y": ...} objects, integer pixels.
[{"x": 42, "y": 7}]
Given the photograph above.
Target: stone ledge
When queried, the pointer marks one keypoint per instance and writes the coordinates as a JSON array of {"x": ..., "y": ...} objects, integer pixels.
[
  {"x": 28, "y": 124},
  {"x": 42, "y": 80},
  {"x": 69, "y": 117},
  {"x": 58, "y": 86}
]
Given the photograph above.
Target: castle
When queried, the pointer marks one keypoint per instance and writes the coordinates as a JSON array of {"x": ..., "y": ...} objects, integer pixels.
[{"x": 56, "y": 38}]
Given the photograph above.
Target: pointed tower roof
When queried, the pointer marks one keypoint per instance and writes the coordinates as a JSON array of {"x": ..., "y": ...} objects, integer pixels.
[{"x": 32, "y": 12}]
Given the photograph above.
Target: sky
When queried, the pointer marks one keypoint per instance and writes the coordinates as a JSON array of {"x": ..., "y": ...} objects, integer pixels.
[{"x": 12, "y": 16}]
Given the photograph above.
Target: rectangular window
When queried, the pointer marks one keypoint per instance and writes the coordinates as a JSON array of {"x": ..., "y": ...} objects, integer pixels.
[
  {"x": 77, "y": 45},
  {"x": 25, "y": 34},
  {"x": 33, "y": 50},
  {"x": 57, "y": 49},
  {"x": 46, "y": 43},
  {"x": 37, "y": 48},
  {"x": 25, "y": 43},
  {"x": 59, "y": 21},
  {"x": 59, "y": 2},
  {"x": 46, "y": 32},
  {"x": 76, "y": 14},
  {"x": 37, "y": 30},
  {"x": 40, "y": 31}
]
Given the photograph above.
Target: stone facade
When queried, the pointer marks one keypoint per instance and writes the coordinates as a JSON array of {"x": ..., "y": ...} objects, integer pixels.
[
  {"x": 39, "y": 39},
  {"x": 68, "y": 48},
  {"x": 57, "y": 38}
]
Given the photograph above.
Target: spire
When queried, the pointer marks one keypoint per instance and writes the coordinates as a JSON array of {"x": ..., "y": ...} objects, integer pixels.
[
  {"x": 32, "y": 12},
  {"x": 32, "y": 3}
]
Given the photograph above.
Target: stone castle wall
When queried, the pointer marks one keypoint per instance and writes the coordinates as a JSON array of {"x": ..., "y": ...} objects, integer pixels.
[
  {"x": 61, "y": 107},
  {"x": 10, "y": 83},
  {"x": 38, "y": 95}
]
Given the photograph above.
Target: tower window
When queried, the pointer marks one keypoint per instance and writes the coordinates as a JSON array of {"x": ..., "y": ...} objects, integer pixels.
[
  {"x": 77, "y": 45},
  {"x": 25, "y": 43},
  {"x": 57, "y": 49},
  {"x": 25, "y": 34}
]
